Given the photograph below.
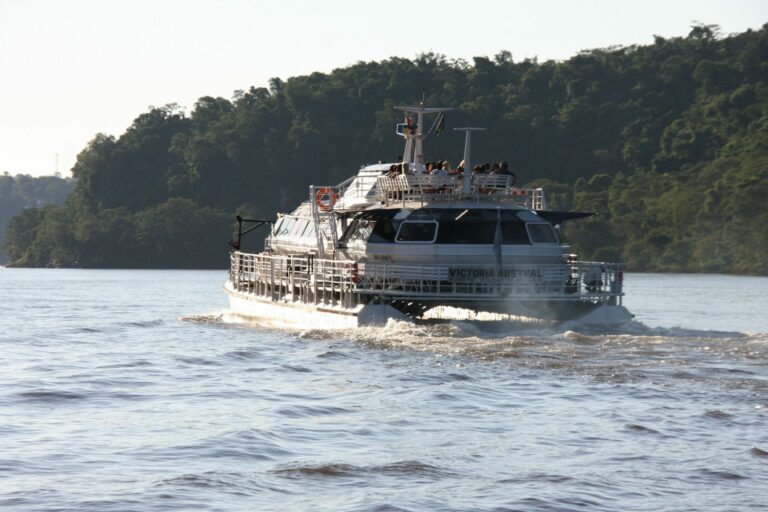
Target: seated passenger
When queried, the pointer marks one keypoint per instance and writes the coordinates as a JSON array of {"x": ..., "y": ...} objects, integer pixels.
[
  {"x": 459, "y": 170},
  {"x": 478, "y": 169},
  {"x": 444, "y": 171},
  {"x": 503, "y": 170}
]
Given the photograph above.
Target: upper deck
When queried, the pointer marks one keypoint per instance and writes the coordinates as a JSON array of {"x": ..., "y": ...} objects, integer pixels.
[{"x": 373, "y": 186}]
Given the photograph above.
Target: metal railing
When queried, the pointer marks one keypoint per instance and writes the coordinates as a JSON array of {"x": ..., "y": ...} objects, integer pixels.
[
  {"x": 348, "y": 283},
  {"x": 294, "y": 278},
  {"x": 428, "y": 188},
  {"x": 391, "y": 190}
]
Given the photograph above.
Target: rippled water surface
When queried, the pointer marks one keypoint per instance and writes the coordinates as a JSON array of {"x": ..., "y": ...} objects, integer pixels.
[{"x": 125, "y": 390}]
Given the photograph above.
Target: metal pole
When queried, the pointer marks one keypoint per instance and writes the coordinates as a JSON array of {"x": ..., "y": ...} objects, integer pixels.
[
  {"x": 466, "y": 189},
  {"x": 239, "y": 231}
]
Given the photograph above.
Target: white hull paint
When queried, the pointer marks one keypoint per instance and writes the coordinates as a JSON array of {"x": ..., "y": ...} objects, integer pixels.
[
  {"x": 249, "y": 308},
  {"x": 245, "y": 307}
]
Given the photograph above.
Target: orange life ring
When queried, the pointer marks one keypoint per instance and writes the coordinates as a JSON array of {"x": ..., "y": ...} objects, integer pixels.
[{"x": 325, "y": 198}]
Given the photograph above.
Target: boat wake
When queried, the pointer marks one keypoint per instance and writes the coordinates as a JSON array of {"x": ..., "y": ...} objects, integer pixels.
[
  {"x": 632, "y": 351},
  {"x": 214, "y": 317},
  {"x": 463, "y": 329}
]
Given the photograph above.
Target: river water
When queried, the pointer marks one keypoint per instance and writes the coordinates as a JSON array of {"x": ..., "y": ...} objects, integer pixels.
[{"x": 124, "y": 390}]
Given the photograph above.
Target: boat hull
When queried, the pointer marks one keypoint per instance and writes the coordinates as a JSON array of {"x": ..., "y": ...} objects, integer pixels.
[{"x": 251, "y": 308}]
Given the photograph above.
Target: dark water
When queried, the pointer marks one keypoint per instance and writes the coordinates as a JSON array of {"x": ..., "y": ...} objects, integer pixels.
[{"x": 124, "y": 390}]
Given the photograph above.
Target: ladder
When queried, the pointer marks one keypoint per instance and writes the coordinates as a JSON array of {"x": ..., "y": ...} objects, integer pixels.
[{"x": 322, "y": 200}]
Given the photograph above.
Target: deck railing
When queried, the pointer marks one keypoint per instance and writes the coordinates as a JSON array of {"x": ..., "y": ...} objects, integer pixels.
[
  {"x": 401, "y": 188},
  {"x": 427, "y": 188},
  {"x": 348, "y": 283}
]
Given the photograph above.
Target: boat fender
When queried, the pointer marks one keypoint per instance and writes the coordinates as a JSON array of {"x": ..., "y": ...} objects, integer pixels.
[{"x": 325, "y": 198}]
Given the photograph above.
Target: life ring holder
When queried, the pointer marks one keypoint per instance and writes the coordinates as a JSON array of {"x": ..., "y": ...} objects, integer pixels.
[{"x": 325, "y": 198}]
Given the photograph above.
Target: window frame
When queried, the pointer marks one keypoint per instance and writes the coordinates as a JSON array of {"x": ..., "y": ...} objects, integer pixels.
[
  {"x": 551, "y": 228},
  {"x": 434, "y": 234}
]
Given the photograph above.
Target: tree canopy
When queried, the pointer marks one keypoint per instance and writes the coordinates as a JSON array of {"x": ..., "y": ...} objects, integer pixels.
[
  {"x": 667, "y": 142},
  {"x": 23, "y": 191}
]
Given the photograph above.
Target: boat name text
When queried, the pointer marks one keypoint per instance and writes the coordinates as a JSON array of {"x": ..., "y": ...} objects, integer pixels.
[{"x": 509, "y": 273}]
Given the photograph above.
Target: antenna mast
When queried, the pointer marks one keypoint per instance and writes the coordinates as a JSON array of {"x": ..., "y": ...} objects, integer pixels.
[{"x": 413, "y": 154}]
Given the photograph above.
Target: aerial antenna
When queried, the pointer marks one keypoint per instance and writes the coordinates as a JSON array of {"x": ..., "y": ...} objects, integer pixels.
[{"x": 413, "y": 141}]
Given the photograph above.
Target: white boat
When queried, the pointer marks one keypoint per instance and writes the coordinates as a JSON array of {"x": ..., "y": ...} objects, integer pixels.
[{"x": 393, "y": 242}]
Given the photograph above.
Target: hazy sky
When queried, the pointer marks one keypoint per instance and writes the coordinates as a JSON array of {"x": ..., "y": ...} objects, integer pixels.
[{"x": 71, "y": 69}]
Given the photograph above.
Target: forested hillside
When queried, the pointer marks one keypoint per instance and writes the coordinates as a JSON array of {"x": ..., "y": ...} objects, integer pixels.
[
  {"x": 24, "y": 191},
  {"x": 667, "y": 142}
]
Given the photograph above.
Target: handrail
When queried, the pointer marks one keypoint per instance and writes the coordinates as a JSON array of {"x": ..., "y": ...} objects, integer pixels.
[
  {"x": 424, "y": 188},
  {"x": 427, "y": 188},
  {"x": 580, "y": 280}
]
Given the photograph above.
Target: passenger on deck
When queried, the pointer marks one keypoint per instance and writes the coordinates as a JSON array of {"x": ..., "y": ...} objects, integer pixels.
[
  {"x": 441, "y": 171},
  {"x": 504, "y": 171}
]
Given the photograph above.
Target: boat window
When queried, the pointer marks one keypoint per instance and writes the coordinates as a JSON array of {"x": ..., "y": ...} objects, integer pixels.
[
  {"x": 466, "y": 232},
  {"x": 514, "y": 233},
  {"x": 310, "y": 231},
  {"x": 298, "y": 227},
  {"x": 361, "y": 230},
  {"x": 383, "y": 232},
  {"x": 287, "y": 226},
  {"x": 542, "y": 233},
  {"x": 276, "y": 228},
  {"x": 417, "y": 232},
  {"x": 303, "y": 232}
]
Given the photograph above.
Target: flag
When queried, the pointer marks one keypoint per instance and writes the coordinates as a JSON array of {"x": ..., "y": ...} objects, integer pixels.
[{"x": 440, "y": 124}]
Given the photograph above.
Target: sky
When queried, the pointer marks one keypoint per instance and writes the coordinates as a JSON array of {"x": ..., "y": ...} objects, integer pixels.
[{"x": 72, "y": 69}]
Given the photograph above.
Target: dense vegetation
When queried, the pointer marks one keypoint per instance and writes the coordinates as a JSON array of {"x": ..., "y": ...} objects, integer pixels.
[
  {"x": 24, "y": 191},
  {"x": 668, "y": 143}
]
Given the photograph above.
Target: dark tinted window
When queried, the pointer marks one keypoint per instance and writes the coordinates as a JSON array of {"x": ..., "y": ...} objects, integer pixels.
[
  {"x": 383, "y": 232},
  {"x": 417, "y": 232},
  {"x": 482, "y": 232},
  {"x": 457, "y": 226},
  {"x": 466, "y": 232},
  {"x": 360, "y": 230},
  {"x": 542, "y": 233},
  {"x": 514, "y": 233}
]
